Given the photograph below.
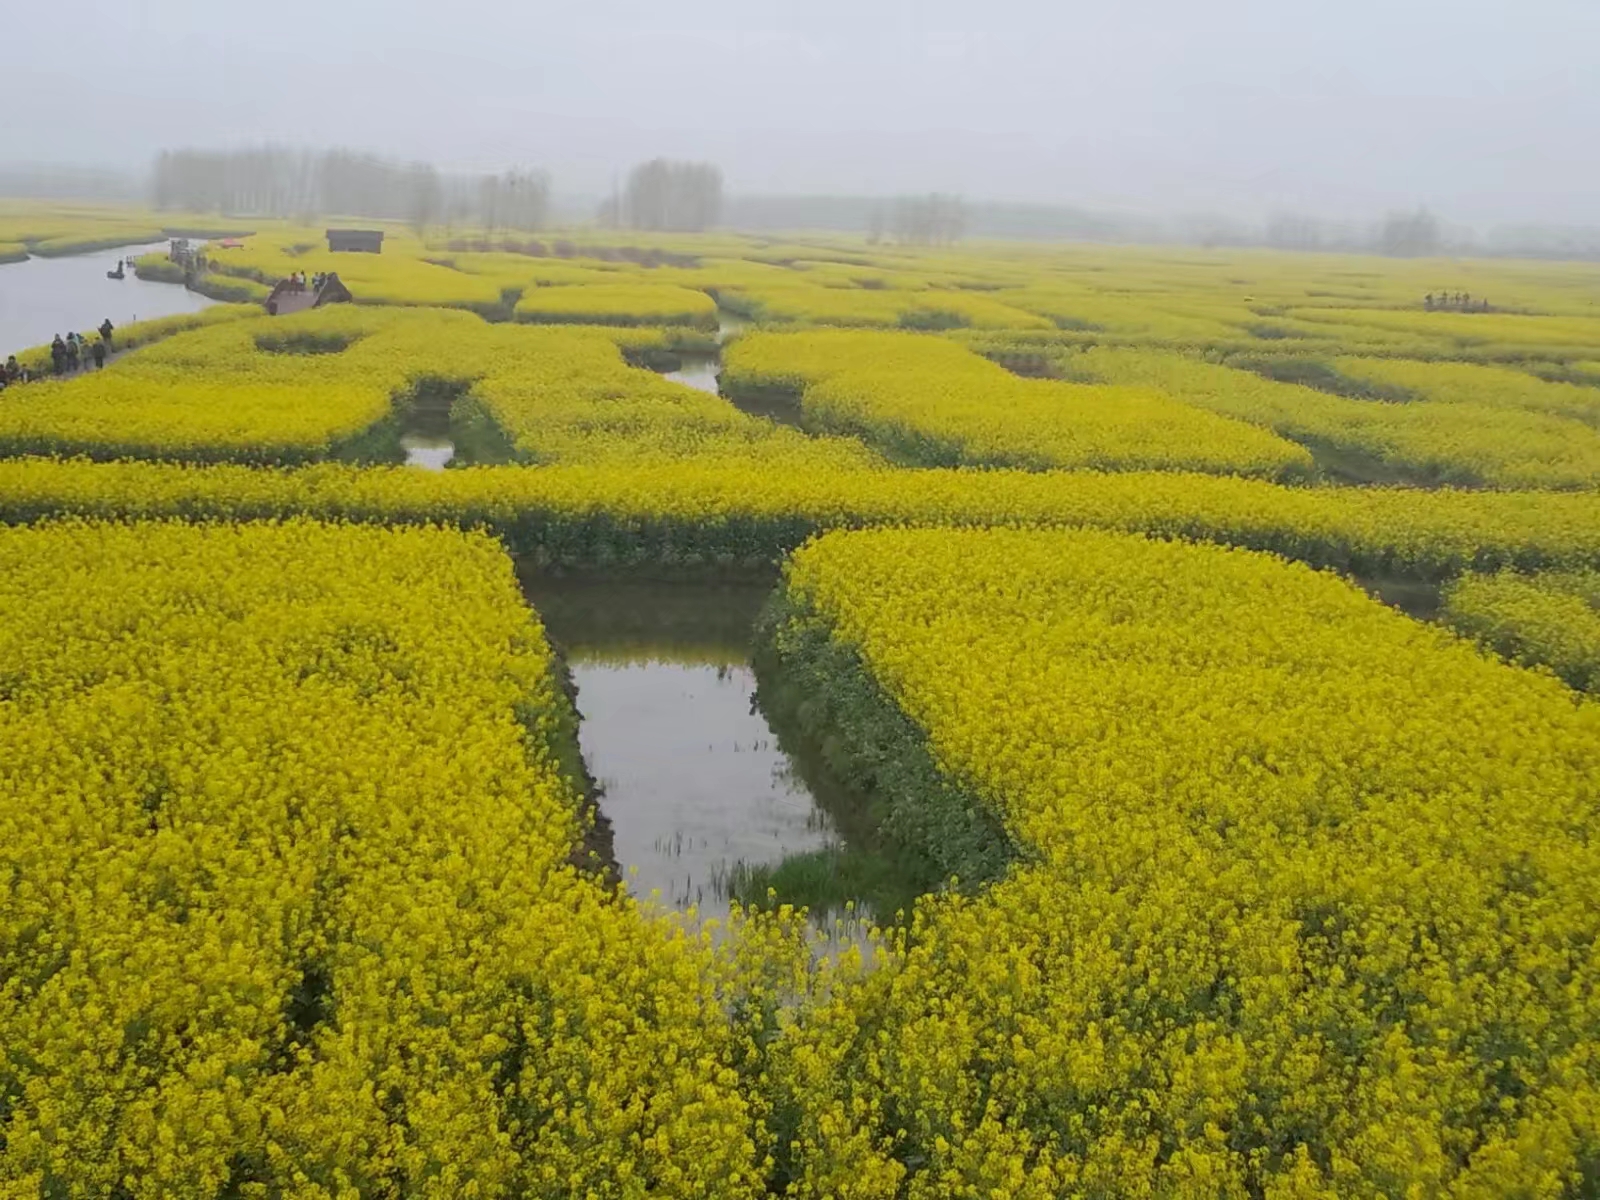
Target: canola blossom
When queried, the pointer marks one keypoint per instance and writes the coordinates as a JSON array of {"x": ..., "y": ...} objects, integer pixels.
[
  {"x": 1500, "y": 445},
  {"x": 802, "y": 302},
  {"x": 618, "y": 304},
  {"x": 1547, "y": 620},
  {"x": 287, "y": 836},
  {"x": 318, "y": 384},
  {"x": 1243, "y": 885},
  {"x": 718, "y": 513},
  {"x": 1478, "y": 384},
  {"x": 1303, "y": 909},
  {"x": 71, "y": 229},
  {"x": 934, "y": 402}
]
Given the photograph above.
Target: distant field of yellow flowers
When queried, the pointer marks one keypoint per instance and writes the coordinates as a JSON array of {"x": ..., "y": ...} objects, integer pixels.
[{"x": 1256, "y": 887}]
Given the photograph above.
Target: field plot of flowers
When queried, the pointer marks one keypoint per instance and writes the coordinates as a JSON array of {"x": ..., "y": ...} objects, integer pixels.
[
  {"x": 1550, "y": 620},
  {"x": 1253, "y": 886},
  {"x": 1303, "y": 905},
  {"x": 288, "y": 821},
  {"x": 1499, "y": 444},
  {"x": 327, "y": 383},
  {"x": 618, "y": 304},
  {"x": 938, "y": 404}
]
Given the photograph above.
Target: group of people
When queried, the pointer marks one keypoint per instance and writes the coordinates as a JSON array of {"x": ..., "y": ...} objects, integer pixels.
[
  {"x": 12, "y": 372},
  {"x": 298, "y": 282},
  {"x": 1454, "y": 302},
  {"x": 73, "y": 353}
]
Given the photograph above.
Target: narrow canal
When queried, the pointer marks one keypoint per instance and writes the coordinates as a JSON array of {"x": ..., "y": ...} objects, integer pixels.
[
  {"x": 705, "y": 804},
  {"x": 42, "y": 297},
  {"x": 699, "y": 371}
]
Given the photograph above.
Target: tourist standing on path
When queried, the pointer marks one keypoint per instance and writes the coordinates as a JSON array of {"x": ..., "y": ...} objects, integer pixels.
[
  {"x": 99, "y": 355},
  {"x": 106, "y": 329},
  {"x": 58, "y": 355}
]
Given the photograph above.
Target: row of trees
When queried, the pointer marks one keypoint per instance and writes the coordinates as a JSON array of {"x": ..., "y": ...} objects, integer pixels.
[
  {"x": 1401, "y": 235},
  {"x": 663, "y": 194},
  {"x": 276, "y": 181},
  {"x": 932, "y": 220},
  {"x": 671, "y": 195}
]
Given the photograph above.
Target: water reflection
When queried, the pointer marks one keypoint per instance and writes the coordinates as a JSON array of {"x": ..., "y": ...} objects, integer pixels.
[
  {"x": 703, "y": 800},
  {"x": 691, "y": 778},
  {"x": 42, "y": 297},
  {"x": 432, "y": 452},
  {"x": 698, "y": 372}
]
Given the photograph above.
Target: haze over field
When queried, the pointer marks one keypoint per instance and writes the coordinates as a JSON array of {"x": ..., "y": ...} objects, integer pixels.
[{"x": 1481, "y": 110}]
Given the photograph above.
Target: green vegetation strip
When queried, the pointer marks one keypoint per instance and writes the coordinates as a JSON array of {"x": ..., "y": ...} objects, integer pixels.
[{"x": 821, "y": 686}]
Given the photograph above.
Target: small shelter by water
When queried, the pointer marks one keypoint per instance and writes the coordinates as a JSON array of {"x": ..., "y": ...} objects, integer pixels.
[{"x": 367, "y": 241}]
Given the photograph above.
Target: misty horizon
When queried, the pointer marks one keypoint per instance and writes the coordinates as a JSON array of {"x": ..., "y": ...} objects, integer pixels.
[{"x": 1472, "y": 111}]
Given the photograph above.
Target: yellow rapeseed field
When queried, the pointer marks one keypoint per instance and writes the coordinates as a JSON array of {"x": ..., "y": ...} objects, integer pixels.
[
  {"x": 937, "y": 403},
  {"x": 1547, "y": 620},
  {"x": 1304, "y": 907},
  {"x": 288, "y": 817},
  {"x": 1254, "y": 887}
]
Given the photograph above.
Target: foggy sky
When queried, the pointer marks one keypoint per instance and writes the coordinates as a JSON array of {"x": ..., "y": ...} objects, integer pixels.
[{"x": 1484, "y": 110}]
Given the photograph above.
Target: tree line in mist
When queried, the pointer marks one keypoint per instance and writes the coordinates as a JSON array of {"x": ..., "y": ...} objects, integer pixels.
[
  {"x": 302, "y": 185},
  {"x": 666, "y": 195},
  {"x": 661, "y": 195}
]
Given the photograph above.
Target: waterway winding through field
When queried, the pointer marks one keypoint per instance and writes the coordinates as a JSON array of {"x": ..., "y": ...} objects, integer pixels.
[{"x": 42, "y": 297}]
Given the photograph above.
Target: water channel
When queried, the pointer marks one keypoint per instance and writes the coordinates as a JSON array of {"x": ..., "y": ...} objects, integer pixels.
[
  {"x": 42, "y": 297},
  {"x": 698, "y": 371},
  {"x": 705, "y": 805}
]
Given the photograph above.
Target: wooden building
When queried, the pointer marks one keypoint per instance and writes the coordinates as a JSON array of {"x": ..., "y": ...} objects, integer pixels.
[{"x": 368, "y": 241}]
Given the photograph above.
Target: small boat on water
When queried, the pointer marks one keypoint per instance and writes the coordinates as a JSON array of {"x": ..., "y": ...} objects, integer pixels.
[{"x": 117, "y": 274}]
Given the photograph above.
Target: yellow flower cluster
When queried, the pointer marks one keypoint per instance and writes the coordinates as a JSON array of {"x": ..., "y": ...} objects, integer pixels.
[
  {"x": 1306, "y": 906},
  {"x": 226, "y": 391},
  {"x": 292, "y": 389},
  {"x": 1293, "y": 893},
  {"x": 932, "y": 401},
  {"x": 289, "y": 913},
  {"x": 1477, "y": 384},
  {"x": 1472, "y": 329},
  {"x": 565, "y": 395},
  {"x": 73, "y": 229},
  {"x": 1501, "y": 445},
  {"x": 1550, "y": 620},
  {"x": 709, "y": 511},
  {"x": 618, "y": 304},
  {"x": 1157, "y": 317}
]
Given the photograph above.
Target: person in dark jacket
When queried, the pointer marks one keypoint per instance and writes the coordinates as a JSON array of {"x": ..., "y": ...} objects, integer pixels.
[
  {"x": 58, "y": 355},
  {"x": 99, "y": 351},
  {"x": 106, "y": 329}
]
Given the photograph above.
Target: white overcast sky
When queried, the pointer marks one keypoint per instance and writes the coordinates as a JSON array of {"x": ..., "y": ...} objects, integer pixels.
[{"x": 1485, "y": 110}]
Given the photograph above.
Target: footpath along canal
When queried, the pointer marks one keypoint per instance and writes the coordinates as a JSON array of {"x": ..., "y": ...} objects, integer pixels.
[{"x": 42, "y": 297}]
